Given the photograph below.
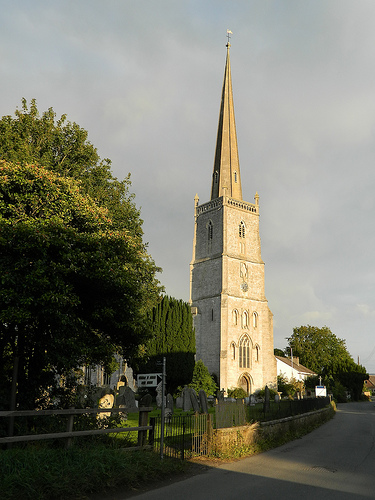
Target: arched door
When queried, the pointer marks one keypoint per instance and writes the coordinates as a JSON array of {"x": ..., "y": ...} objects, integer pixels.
[{"x": 245, "y": 383}]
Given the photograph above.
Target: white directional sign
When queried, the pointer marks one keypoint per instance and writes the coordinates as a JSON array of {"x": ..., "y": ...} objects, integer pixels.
[
  {"x": 320, "y": 391},
  {"x": 149, "y": 379}
]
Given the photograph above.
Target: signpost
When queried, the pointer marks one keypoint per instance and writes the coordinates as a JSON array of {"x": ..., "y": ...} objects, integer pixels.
[
  {"x": 153, "y": 380},
  {"x": 162, "y": 410},
  {"x": 149, "y": 379},
  {"x": 320, "y": 391}
]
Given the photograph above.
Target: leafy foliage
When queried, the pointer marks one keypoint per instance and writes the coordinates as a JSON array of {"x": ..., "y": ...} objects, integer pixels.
[
  {"x": 202, "y": 379},
  {"x": 262, "y": 392},
  {"x": 63, "y": 147},
  {"x": 75, "y": 287},
  {"x": 324, "y": 353},
  {"x": 172, "y": 335},
  {"x": 289, "y": 387},
  {"x": 237, "y": 393},
  {"x": 279, "y": 352}
]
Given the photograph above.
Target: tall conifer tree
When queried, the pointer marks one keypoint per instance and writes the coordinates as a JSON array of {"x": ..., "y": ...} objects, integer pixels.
[{"x": 171, "y": 335}]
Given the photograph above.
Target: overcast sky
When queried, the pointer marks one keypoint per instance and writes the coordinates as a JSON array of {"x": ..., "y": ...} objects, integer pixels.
[{"x": 144, "y": 78}]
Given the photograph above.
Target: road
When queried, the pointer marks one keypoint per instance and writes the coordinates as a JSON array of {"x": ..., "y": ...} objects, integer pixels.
[{"x": 336, "y": 461}]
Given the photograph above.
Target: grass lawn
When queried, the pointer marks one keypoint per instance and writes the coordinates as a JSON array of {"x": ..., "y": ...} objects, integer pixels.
[{"x": 60, "y": 474}]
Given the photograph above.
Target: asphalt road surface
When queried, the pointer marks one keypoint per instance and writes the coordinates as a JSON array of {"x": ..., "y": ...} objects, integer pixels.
[{"x": 336, "y": 461}]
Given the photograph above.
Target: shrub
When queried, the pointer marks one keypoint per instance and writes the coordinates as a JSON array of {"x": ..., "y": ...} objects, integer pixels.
[
  {"x": 237, "y": 393},
  {"x": 202, "y": 379},
  {"x": 261, "y": 393}
]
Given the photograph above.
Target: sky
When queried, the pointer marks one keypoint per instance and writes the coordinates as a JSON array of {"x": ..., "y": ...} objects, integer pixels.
[{"x": 144, "y": 79}]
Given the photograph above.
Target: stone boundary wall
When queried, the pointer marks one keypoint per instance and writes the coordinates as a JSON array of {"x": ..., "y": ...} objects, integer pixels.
[{"x": 227, "y": 441}]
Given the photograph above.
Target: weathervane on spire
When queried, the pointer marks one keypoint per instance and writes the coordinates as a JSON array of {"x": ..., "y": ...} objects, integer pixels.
[{"x": 229, "y": 33}]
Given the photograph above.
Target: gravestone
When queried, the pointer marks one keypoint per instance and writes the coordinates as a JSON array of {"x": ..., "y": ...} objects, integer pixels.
[
  {"x": 266, "y": 404},
  {"x": 203, "y": 401},
  {"x": 106, "y": 402},
  {"x": 82, "y": 398},
  {"x": 186, "y": 399},
  {"x": 220, "y": 395},
  {"x": 194, "y": 400},
  {"x": 120, "y": 402},
  {"x": 180, "y": 402},
  {"x": 120, "y": 398},
  {"x": 252, "y": 400},
  {"x": 97, "y": 393},
  {"x": 129, "y": 397},
  {"x": 170, "y": 403},
  {"x": 146, "y": 400},
  {"x": 159, "y": 397}
]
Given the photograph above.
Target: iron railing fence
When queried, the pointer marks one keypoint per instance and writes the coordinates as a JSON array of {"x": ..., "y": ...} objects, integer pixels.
[
  {"x": 184, "y": 435},
  {"x": 190, "y": 435},
  {"x": 285, "y": 408}
]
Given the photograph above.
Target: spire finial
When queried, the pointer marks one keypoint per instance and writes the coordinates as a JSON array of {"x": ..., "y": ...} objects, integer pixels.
[{"x": 228, "y": 36}]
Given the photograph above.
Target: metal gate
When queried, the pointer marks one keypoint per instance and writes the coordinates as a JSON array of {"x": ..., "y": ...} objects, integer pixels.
[{"x": 184, "y": 436}]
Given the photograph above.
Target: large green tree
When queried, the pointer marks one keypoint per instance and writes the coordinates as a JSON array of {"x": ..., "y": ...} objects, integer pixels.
[
  {"x": 31, "y": 137},
  {"x": 323, "y": 352},
  {"x": 75, "y": 287},
  {"x": 172, "y": 335}
]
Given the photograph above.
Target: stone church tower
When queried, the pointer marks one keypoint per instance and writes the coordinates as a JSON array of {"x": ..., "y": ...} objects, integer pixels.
[{"x": 233, "y": 323}]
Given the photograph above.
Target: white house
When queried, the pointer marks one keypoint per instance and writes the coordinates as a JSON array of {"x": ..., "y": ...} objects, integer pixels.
[{"x": 291, "y": 368}]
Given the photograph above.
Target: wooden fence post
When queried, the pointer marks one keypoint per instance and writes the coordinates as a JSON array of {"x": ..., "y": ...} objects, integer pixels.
[
  {"x": 69, "y": 428},
  {"x": 151, "y": 434},
  {"x": 142, "y": 421}
]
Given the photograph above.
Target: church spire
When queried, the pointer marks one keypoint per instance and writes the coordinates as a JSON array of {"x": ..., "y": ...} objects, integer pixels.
[{"x": 226, "y": 179}]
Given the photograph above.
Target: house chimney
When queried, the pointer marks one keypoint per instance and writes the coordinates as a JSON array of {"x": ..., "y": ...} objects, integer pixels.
[{"x": 296, "y": 360}]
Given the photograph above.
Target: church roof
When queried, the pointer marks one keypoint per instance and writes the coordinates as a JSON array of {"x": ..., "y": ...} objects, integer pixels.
[{"x": 226, "y": 179}]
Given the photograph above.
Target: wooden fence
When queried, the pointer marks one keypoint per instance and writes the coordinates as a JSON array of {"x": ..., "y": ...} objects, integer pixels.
[{"x": 69, "y": 433}]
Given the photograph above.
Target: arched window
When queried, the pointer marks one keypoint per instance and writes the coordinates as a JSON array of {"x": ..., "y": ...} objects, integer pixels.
[
  {"x": 244, "y": 352},
  {"x": 257, "y": 349},
  {"x": 233, "y": 350},
  {"x": 243, "y": 270},
  {"x": 210, "y": 229},
  {"x": 245, "y": 319},
  {"x": 241, "y": 230},
  {"x": 255, "y": 319},
  {"x": 235, "y": 316},
  {"x": 235, "y": 176},
  {"x": 216, "y": 176}
]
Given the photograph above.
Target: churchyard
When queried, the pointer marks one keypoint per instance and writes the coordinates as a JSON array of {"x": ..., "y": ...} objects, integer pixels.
[{"x": 110, "y": 448}]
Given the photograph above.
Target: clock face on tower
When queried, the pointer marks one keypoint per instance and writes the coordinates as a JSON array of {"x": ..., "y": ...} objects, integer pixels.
[{"x": 244, "y": 286}]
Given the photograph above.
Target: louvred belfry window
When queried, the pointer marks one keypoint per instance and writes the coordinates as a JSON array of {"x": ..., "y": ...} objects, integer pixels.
[
  {"x": 210, "y": 230},
  {"x": 241, "y": 230}
]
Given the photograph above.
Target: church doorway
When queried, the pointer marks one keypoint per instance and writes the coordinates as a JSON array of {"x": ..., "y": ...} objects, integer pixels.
[{"x": 245, "y": 383}]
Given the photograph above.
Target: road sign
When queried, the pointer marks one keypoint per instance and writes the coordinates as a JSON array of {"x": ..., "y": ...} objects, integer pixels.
[
  {"x": 320, "y": 391},
  {"x": 149, "y": 379}
]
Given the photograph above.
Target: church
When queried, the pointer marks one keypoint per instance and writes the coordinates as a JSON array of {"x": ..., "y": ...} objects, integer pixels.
[{"x": 232, "y": 320}]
